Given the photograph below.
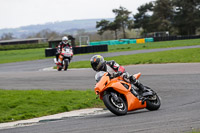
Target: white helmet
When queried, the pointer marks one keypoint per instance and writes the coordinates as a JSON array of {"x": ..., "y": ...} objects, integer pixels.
[{"x": 65, "y": 40}]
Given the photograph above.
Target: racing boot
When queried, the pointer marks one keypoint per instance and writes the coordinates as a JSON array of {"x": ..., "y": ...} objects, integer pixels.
[
  {"x": 139, "y": 85},
  {"x": 136, "y": 82},
  {"x": 141, "y": 88}
]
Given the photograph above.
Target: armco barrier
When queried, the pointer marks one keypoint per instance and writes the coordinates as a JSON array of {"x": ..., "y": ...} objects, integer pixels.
[
  {"x": 140, "y": 40},
  {"x": 114, "y": 42},
  {"x": 123, "y": 41},
  {"x": 79, "y": 50},
  {"x": 50, "y": 52},
  {"x": 149, "y": 40}
]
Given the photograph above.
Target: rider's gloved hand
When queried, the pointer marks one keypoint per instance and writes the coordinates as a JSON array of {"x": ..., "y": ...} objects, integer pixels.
[
  {"x": 126, "y": 76},
  {"x": 117, "y": 74},
  {"x": 132, "y": 79}
]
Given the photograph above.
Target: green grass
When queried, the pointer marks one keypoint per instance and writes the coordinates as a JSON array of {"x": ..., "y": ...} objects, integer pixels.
[
  {"x": 171, "y": 56},
  {"x": 25, "y": 104},
  {"x": 195, "y": 131},
  {"x": 153, "y": 45},
  {"x": 22, "y": 55}
]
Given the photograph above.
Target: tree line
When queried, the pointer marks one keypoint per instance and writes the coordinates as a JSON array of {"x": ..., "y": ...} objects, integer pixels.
[{"x": 178, "y": 17}]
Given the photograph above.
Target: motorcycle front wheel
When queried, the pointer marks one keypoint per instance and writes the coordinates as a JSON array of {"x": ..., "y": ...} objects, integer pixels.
[
  {"x": 66, "y": 63},
  {"x": 116, "y": 107},
  {"x": 59, "y": 68}
]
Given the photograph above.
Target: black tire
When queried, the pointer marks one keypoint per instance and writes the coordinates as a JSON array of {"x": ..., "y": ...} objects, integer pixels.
[
  {"x": 153, "y": 104},
  {"x": 66, "y": 63},
  {"x": 59, "y": 68},
  {"x": 112, "y": 106}
]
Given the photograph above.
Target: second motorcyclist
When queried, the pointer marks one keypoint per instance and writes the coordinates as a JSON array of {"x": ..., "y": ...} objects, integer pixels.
[{"x": 63, "y": 43}]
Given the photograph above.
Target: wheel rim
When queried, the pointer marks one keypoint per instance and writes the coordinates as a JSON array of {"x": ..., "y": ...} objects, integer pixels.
[
  {"x": 154, "y": 99},
  {"x": 120, "y": 106}
]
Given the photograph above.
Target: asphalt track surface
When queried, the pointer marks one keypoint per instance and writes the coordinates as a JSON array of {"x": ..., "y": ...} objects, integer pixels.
[{"x": 177, "y": 84}]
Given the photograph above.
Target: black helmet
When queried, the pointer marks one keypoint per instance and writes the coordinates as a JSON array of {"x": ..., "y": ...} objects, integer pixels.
[{"x": 97, "y": 62}]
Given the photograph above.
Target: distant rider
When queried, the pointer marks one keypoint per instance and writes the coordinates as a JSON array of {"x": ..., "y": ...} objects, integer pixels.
[
  {"x": 114, "y": 69},
  {"x": 64, "y": 43}
]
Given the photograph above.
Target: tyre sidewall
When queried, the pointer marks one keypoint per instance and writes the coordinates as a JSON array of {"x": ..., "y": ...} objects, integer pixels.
[
  {"x": 111, "y": 107},
  {"x": 66, "y": 63},
  {"x": 151, "y": 106}
]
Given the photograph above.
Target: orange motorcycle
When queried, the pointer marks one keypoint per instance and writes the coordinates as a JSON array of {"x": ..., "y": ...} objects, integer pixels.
[{"x": 120, "y": 97}]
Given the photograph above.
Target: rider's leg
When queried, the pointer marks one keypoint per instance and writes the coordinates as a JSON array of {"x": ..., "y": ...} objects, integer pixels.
[
  {"x": 57, "y": 54},
  {"x": 131, "y": 79},
  {"x": 136, "y": 82}
]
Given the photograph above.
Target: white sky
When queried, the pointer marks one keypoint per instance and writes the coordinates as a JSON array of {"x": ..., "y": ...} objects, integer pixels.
[{"x": 15, "y": 13}]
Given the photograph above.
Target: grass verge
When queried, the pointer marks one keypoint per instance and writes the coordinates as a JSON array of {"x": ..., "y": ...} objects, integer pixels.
[
  {"x": 153, "y": 45},
  {"x": 22, "y": 55},
  {"x": 172, "y": 56},
  {"x": 25, "y": 104},
  {"x": 194, "y": 131}
]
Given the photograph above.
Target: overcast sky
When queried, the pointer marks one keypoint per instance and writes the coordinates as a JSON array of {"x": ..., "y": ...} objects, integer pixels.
[{"x": 16, "y": 13}]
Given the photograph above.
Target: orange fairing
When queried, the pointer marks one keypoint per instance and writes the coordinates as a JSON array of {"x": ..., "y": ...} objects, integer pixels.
[
  {"x": 100, "y": 86},
  {"x": 61, "y": 57},
  {"x": 116, "y": 84},
  {"x": 133, "y": 102},
  {"x": 137, "y": 76},
  {"x": 106, "y": 83}
]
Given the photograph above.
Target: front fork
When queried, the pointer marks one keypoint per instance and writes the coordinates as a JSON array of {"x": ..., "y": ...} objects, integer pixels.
[{"x": 115, "y": 97}]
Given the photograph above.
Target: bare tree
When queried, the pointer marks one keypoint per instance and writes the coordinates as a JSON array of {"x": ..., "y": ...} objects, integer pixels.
[{"x": 7, "y": 36}]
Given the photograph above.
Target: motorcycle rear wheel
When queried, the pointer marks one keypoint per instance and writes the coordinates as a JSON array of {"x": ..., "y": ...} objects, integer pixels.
[
  {"x": 117, "y": 108},
  {"x": 153, "y": 104}
]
